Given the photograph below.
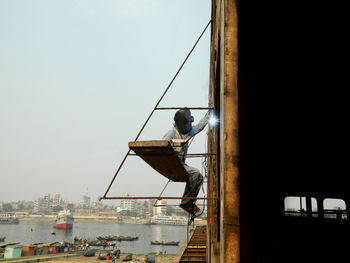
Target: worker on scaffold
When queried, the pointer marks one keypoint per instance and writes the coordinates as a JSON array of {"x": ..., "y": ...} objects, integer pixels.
[{"x": 180, "y": 134}]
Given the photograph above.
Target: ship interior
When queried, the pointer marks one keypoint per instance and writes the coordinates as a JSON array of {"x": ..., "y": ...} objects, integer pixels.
[{"x": 294, "y": 192}]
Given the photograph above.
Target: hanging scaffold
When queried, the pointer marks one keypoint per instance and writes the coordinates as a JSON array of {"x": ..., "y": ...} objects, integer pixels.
[{"x": 159, "y": 153}]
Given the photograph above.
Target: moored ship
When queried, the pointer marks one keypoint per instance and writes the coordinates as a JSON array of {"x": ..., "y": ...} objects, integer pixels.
[
  {"x": 169, "y": 220},
  {"x": 64, "y": 220},
  {"x": 8, "y": 219}
]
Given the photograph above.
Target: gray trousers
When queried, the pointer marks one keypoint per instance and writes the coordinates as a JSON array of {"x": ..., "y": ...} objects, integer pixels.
[{"x": 193, "y": 185}]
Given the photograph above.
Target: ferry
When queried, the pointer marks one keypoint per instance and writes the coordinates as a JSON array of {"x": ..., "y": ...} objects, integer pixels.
[
  {"x": 64, "y": 220},
  {"x": 8, "y": 219},
  {"x": 169, "y": 220}
]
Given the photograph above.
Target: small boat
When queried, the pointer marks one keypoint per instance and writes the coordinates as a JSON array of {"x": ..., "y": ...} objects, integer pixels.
[
  {"x": 89, "y": 253},
  {"x": 163, "y": 243},
  {"x": 128, "y": 258},
  {"x": 98, "y": 243},
  {"x": 128, "y": 238},
  {"x": 150, "y": 259},
  {"x": 108, "y": 238},
  {"x": 117, "y": 238}
]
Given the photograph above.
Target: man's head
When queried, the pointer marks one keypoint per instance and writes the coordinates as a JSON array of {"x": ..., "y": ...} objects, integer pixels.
[{"x": 183, "y": 120}]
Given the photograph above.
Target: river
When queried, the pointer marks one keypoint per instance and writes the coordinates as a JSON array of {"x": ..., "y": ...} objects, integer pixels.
[{"x": 37, "y": 231}]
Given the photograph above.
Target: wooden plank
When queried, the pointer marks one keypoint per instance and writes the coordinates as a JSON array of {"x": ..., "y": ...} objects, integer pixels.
[{"x": 160, "y": 155}]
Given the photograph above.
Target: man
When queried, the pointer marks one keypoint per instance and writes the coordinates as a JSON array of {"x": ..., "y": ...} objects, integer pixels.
[{"x": 184, "y": 130}]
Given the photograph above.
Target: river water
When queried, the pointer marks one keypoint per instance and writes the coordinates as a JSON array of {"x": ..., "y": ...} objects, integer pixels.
[{"x": 35, "y": 231}]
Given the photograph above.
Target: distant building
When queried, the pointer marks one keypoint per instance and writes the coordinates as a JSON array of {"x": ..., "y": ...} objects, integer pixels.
[
  {"x": 39, "y": 205},
  {"x": 56, "y": 200},
  {"x": 150, "y": 208},
  {"x": 160, "y": 208},
  {"x": 42, "y": 205},
  {"x": 127, "y": 204},
  {"x": 85, "y": 201},
  {"x": 47, "y": 202},
  {"x": 14, "y": 205}
]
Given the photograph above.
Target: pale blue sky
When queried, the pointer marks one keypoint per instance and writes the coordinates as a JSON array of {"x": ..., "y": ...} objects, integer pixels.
[{"x": 77, "y": 81}]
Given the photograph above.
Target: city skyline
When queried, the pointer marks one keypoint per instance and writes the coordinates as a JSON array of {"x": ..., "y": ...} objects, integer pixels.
[{"x": 52, "y": 196}]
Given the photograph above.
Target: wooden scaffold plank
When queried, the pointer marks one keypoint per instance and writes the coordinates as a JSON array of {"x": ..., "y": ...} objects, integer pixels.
[{"x": 160, "y": 155}]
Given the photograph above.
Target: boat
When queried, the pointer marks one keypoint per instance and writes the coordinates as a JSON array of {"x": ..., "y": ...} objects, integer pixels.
[
  {"x": 64, "y": 220},
  {"x": 163, "y": 243},
  {"x": 99, "y": 243},
  {"x": 128, "y": 238},
  {"x": 107, "y": 238},
  {"x": 169, "y": 220},
  {"x": 117, "y": 238},
  {"x": 8, "y": 219},
  {"x": 128, "y": 257},
  {"x": 89, "y": 253}
]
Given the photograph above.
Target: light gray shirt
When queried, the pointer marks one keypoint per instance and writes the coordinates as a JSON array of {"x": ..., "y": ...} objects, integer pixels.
[{"x": 175, "y": 134}]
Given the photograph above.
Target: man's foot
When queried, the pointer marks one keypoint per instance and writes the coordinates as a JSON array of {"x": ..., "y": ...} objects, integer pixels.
[
  {"x": 195, "y": 208},
  {"x": 190, "y": 208}
]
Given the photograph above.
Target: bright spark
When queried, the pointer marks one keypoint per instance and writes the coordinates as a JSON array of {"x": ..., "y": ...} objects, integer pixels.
[{"x": 212, "y": 120}]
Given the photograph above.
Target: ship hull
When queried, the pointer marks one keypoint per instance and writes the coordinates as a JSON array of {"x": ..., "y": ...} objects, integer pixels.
[
  {"x": 64, "y": 222},
  {"x": 64, "y": 226},
  {"x": 9, "y": 221}
]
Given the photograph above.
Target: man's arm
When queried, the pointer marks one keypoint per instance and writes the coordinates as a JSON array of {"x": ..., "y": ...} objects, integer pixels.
[{"x": 201, "y": 124}]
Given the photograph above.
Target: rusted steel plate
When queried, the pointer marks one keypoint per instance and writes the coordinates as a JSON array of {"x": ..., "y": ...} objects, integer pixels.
[{"x": 161, "y": 156}]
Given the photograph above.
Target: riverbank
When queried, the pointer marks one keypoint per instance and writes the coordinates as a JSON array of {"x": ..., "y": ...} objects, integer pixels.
[
  {"x": 77, "y": 219},
  {"x": 137, "y": 258},
  {"x": 78, "y": 258},
  {"x": 98, "y": 219}
]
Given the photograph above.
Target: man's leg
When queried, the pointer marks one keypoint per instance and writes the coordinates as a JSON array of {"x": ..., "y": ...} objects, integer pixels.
[{"x": 193, "y": 184}]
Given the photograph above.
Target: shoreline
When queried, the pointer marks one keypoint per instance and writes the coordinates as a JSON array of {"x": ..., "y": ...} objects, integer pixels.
[
  {"x": 76, "y": 219},
  {"x": 93, "y": 219},
  {"x": 77, "y": 257}
]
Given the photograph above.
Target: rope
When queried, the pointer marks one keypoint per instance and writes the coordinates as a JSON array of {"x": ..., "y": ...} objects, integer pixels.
[
  {"x": 161, "y": 193},
  {"x": 205, "y": 168},
  {"x": 188, "y": 226}
]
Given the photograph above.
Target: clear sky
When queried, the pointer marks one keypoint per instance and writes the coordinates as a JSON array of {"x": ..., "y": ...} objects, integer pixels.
[{"x": 78, "y": 78}]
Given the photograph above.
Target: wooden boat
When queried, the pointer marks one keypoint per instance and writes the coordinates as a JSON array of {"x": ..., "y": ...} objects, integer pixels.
[
  {"x": 163, "y": 243},
  {"x": 117, "y": 238},
  {"x": 108, "y": 238},
  {"x": 99, "y": 243},
  {"x": 90, "y": 253},
  {"x": 128, "y": 238},
  {"x": 128, "y": 258}
]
